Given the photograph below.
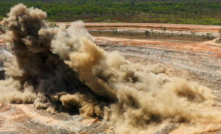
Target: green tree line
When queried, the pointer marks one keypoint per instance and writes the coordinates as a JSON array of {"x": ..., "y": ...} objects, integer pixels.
[{"x": 173, "y": 11}]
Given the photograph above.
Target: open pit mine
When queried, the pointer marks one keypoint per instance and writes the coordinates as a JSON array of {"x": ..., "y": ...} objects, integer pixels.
[{"x": 64, "y": 80}]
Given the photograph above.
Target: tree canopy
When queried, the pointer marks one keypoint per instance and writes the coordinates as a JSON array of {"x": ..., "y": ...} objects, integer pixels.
[{"x": 157, "y": 11}]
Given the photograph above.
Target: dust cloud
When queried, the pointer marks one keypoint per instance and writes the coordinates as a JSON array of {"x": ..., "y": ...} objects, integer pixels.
[{"x": 62, "y": 69}]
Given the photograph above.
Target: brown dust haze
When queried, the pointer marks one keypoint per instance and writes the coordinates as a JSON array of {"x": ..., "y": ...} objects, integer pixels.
[{"x": 62, "y": 69}]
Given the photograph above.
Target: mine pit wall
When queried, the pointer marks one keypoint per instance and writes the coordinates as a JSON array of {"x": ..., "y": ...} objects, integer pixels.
[{"x": 201, "y": 67}]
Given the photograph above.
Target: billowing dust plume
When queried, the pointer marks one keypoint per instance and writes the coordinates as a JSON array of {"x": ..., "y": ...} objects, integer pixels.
[{"x": 61, "y": 69}]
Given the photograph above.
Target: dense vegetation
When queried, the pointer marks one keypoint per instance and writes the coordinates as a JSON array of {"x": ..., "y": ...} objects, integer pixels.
[{"x": 161, "y": 11}]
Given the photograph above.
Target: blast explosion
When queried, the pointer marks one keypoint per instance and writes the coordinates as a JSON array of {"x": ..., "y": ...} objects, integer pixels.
[{"x": 62, "y": 69}]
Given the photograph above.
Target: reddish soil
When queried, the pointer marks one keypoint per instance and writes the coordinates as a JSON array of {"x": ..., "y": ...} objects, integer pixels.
[
  {"x": 25, "y": 119},
  {"x": 176, "y": 27},
  {"x": 209, "y": 46}
]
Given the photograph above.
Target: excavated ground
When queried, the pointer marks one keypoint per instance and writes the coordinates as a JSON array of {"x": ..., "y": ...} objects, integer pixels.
[
  {"x": 197, "y": 61},
  {"x": 194, "y": 60}
]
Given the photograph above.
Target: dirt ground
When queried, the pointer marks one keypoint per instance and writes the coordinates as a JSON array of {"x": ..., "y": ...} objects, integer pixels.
[
  {"x": 198, "y": 61},
  {"x": 194, "y": 60},
  {"x": 176, "y": 27},
  {"x": 25, "y": 119}
]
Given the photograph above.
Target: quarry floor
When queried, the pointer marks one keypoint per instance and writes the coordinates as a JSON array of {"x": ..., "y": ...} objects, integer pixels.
[{"x": 198, "y": 61}]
